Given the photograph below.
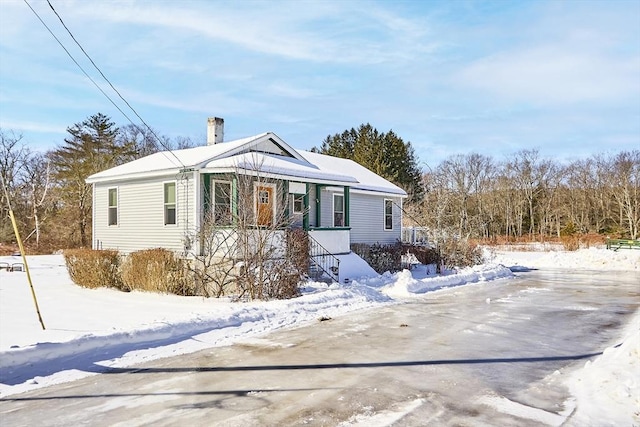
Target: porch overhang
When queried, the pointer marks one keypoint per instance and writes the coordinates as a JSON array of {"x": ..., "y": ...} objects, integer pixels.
[{"x": 276, "y": 176}]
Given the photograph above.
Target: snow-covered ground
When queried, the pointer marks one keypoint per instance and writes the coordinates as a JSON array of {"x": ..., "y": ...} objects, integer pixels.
[{"x": 89, "y": 330}]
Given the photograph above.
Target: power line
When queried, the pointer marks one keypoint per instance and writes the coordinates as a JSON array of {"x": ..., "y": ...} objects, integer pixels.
[
  {"x": 111, "y": 85},
  {"x": 103, "y": 76},
  {"x": 76, "y": 62}
]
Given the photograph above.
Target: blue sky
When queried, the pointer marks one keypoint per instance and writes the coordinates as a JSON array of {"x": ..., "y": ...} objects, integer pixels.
[{"x": 451, "y": 77}]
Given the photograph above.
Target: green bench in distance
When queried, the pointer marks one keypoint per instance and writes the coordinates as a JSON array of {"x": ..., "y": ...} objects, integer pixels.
[{"x": 616, "y": 244}]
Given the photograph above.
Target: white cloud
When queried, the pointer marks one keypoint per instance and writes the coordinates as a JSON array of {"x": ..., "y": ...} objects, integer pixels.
[
  {"x": 554, "y": 75},
  {"x": 20, "y": 126},
  {"x": 320, "y": 32}
]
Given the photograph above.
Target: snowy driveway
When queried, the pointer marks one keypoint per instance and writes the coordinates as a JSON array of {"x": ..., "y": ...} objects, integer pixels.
[{"x": 487, "y": 354}]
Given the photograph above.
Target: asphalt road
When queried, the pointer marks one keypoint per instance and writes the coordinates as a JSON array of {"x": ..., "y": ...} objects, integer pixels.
[{"x": 492, "y": 354}]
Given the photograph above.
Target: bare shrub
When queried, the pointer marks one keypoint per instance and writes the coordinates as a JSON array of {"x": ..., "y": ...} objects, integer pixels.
[
  {"x": 450, "y": 253},
  {"x": 574, "y": 242},
  {"x": 381, "y": 258},
  {"x": 298, "y": 249},
  {"x": 8, "y": 249},
  {"x": 570, "y": 243},
  {"x": 156, "y": 270},
  {"x": 266, "y": 273},
  {"x": 568, "y": 240},
  {"x": 361, "y": 249},
  {"x": 247, "y": 262},
  {"x": 589, "y": 240},
  {"x": 214, "y": 271},
  {"x": 93, "y": 269},
  {"x": 425, "y": 255},
  {"x": 459, "y": 253},
  {"x": 276, "y": 279}
]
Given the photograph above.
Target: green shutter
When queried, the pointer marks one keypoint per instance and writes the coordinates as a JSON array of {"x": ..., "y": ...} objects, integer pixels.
[
  {"x": 305, "y": 218},
  {"x": 346, "y": 206}
]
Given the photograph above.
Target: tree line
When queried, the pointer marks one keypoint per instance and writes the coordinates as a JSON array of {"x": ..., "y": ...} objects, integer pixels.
[
  {"x": 476, "y": 196},
  {"x": 466, "y": 195}
]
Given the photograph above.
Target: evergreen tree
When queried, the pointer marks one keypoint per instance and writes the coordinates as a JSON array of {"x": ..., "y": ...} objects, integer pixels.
[
  {"x": 339, "y": 145},
  {"x": 92, "y": 146},
  {"x": 383, "y": 153}
]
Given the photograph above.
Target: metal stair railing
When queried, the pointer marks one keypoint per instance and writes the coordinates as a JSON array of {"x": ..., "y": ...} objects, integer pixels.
[{"x": 322, "y": 262}]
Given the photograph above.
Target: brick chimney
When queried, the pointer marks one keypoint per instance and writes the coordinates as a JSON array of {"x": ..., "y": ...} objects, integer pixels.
[{"x": 215, "y": 130}]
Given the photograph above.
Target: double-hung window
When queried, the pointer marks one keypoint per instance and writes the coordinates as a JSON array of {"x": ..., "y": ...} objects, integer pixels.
[
  {"x": 298, "y": 203},
  {"x": 113, "y": 206},
  {"x": 170, "y": 203},
  {"x": 222, "y": 203},
  {"x": 388, "y": 214},
  {"x": 338, "y": 210}
]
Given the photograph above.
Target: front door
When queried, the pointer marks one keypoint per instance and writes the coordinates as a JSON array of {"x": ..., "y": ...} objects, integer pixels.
[{"x": 264, "y": 205}]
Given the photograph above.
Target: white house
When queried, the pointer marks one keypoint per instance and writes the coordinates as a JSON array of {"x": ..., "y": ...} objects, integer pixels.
[{"x": 161, "y": 199}]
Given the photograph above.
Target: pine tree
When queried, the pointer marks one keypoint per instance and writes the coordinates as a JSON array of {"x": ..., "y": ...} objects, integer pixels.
[
  {"x": 92, "y": 146},
  {"x": 339, "y": 145},
  {"x": 383, "y": 153}
]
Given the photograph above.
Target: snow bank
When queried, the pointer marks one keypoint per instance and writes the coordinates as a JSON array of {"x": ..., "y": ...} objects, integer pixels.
[
  {"x": 585, "y": 259},
  {"x": 405, "y": 284},
  {"x": 607, "y": 389}
]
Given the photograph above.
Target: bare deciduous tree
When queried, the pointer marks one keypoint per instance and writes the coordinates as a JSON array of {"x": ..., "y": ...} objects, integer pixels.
[
  {"x": 13, "y": 156},
  {"x": 625, "y": 170},
  {"x": 36, "y": 181}
]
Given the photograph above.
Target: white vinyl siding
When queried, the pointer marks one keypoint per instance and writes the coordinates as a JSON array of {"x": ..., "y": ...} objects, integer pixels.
[
  {"x": 141, "y": 216},
  {"x": 367, "y": 219}
]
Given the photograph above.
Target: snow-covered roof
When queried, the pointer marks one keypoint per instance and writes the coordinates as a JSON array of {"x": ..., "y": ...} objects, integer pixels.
[
  {"x": 172, "y": 161},
  {"x": 366, "y": 179},
  {"x": 279, "y": 166},
  {"x": 265, "y": 153}
]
